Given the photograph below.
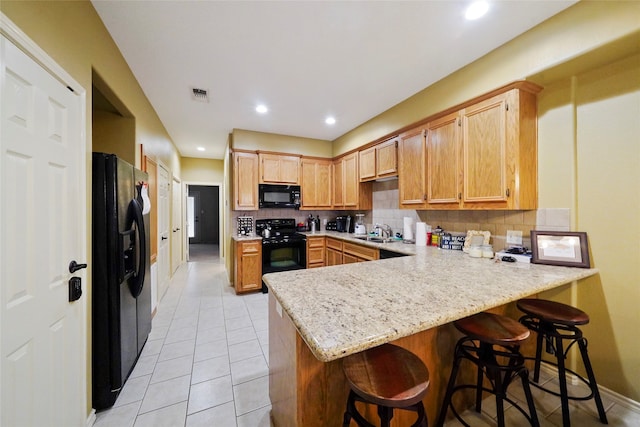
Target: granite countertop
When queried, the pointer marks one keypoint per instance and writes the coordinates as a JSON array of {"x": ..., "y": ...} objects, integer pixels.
[
  {"x": 238, "y": 238},
  {"x": 344, "y": 309}
]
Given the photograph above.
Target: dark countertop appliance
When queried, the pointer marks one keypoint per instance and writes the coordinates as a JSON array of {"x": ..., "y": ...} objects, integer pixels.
[
  {"x": 121, "y": 282},
  {"x": 284, "y": 249},
  {"x": 279, "y": 196},
  {"x": 345, "y": 224}
]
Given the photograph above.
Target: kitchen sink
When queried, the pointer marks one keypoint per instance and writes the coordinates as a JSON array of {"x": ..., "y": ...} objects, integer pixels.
[{"x": 377, "y": 239}]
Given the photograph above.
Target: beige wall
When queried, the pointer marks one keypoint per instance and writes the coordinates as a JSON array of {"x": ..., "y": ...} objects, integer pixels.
[
  {"x": 207, "y": 171},
  {"x": 114, "y": 134},
  {"x": 249, "y": 140},
  {"x": 589, "y": 159},
  {"x": 74, "y": 36}
]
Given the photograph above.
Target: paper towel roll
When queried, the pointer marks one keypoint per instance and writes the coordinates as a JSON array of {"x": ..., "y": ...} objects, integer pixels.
[
  {"x": 407, "y": 232},
  {"x": 421, "y": 234}
]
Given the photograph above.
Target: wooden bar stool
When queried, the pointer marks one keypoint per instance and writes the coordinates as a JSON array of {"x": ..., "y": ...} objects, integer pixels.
[
  {"x": 488, "y": 339},
  {"x": 555, "y": 322},
  {"x": 390, "y": 377}
]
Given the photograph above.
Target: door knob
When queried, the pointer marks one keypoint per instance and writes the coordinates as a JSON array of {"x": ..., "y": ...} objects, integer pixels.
[
  {"x": 74, "y": 266},
  {"x": 164, "y": 238}
]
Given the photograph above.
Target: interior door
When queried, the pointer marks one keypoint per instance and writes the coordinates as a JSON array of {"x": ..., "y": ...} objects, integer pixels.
[
  {"x": 43, "y": 214},
  {"x": 176, "y": 226},
  {"x": 163, "y": 231}
]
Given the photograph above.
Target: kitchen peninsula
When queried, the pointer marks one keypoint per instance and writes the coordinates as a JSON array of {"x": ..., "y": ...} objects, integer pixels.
[{"x": 318, "y": 316}]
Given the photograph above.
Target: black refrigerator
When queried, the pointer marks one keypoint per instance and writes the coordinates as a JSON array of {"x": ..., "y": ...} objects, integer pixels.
[{"x": 121, "y": 282}]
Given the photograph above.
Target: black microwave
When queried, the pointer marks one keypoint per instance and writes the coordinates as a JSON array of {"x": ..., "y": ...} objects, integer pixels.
[{"x": 279, "y": 196}]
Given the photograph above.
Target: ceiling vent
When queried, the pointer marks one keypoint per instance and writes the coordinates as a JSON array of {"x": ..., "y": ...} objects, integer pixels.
[{"x": 200, "y": 95}]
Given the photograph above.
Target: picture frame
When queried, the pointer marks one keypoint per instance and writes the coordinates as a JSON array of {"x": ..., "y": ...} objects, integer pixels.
[
  {"x": 564, "y": 248},
  {"x": 476, "y": 237}
]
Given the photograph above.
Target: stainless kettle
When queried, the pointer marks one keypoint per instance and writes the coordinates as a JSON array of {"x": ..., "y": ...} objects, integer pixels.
[{"x": 266, "y": 232}]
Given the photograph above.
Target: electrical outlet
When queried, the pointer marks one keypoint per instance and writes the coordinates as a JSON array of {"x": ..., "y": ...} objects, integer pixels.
[{"x": 514, "y": 237}]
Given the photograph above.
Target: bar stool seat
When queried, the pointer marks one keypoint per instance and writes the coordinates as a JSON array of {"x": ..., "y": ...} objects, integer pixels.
[
  {"x": 488, "y": 339},
  {"x": 390, "y": 377},
  {"x": 554, "y": 323}
]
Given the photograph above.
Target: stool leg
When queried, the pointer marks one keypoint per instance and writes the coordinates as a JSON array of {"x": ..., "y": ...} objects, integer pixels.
[
  {"x": 524, "y": 376},
  {"x": 385, "y": 413},
  {"x": 447, "y": 397},
  {"x": 562, "y": 378},
  {"x": 346, "y": 420},
  {"x": 582, "y": 343},
  {"x": 536, "y": 367}
]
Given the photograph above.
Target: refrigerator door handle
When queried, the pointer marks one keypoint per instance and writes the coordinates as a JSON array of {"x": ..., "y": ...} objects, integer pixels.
[{"x": 135, "y": 217}]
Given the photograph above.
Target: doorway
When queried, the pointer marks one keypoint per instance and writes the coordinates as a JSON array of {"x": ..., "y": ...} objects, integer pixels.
[{"x": 203, "y": 223}]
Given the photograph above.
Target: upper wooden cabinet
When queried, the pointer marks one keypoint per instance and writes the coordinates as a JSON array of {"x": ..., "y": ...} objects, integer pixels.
[
  {"x": 279, "y": 169},
  {"x": 484, "y": 156},
  {"x": 348, "y": 191},
  {"x": 316, "y": 183},
  {"x": 379, "y": 161},
  {"x": 412, "y": 169},
  {"x": 245, "y": 181}
]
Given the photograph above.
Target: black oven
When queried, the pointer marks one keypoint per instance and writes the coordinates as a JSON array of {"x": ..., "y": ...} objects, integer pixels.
[
  {"x": 279, "y": 196},
  {"x": 283, "y": 249}
]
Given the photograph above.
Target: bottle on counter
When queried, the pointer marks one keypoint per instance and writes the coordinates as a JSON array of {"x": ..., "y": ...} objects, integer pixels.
[{"x": 436, "y": 236}]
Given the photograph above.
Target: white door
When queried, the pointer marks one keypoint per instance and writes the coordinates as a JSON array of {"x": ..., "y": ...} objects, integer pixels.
[
  {"x": 163, "y": 231},
  {"x": 176, "y": 228},
  {"x": 43, "y": 216}
]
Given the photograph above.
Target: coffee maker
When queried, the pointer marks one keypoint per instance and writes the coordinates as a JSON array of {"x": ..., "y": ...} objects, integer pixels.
[{"x": 345, "y": 224}]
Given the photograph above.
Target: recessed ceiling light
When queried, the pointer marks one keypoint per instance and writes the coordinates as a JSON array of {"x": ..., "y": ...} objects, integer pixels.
[
  {"x": 330, "y": 120},
  {"x": 476, "y": 10},
  {"x": 262, "y": 109},
  {"x": 200, "y": 148}
]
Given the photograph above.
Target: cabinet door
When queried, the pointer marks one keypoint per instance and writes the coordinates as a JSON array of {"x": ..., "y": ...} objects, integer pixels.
[
  {"x": 290, "y": 170},
  {"x": 323, "y": 184},
  {"x": 245, "y": 181},
  {"x": 309, "y": 192},
  {"x": 350, "y": 259},
  {"x": 484, "y": 151},
  {"x": 351, "y": 180},
  {"x": 338, "y": 185},
  {"x": 315, "y": 252},
  {"x": 412, "y": 170},
  {"x": 279, "y": 169},
  {"x": 367, "y": 163},
  {"x": 443, "y": 154},
  {"x": 249, "y": 266},
  {"x": 269, "y": 168},
  {"x": 386, "y": 158},
  {"x": 334, "y": 257}
]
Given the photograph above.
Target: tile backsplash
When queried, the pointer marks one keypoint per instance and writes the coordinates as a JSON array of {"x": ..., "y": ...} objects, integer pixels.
[{"x": 385, "y": 211}]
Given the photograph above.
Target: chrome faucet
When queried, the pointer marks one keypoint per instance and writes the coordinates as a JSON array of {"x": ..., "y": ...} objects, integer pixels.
[{"x": 386, "y": 230}]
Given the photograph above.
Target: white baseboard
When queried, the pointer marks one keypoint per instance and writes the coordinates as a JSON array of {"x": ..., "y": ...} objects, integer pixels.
[
  {"x": 91, "y": 419},
  {"x": 610, "y": 394}
]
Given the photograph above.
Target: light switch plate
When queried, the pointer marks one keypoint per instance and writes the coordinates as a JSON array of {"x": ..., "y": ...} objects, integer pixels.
[{"x": 514, "y": 237}]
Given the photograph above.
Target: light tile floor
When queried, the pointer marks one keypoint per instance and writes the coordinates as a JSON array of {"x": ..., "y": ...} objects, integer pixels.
[
  {"x": 206, "y": 364},
  {"x": 206, "y": 359}
]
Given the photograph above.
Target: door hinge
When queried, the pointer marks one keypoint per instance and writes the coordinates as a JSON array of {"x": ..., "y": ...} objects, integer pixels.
[
  {"x": 424, "y": 133},
  {"x": 508, "y": 192},
  {"x": 459, "y": 122}
]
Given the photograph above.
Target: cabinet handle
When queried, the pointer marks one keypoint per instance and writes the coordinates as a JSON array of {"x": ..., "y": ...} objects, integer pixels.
[
  {"x": 508, "y": 192},
  {"x": 459, "y": 196}
]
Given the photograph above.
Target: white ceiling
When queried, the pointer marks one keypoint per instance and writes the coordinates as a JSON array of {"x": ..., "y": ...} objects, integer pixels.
[{"x": 303, "y": 59}]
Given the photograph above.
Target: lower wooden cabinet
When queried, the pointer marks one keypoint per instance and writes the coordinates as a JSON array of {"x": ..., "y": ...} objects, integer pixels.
[
  {"x": 248, "y": 266},
  {"x": 339, "y": 252},
  {"x": 334, "y": 251},
  {"x": 315, "y": 252},
  {"x": 359, "y": 252}
]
